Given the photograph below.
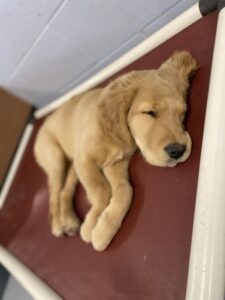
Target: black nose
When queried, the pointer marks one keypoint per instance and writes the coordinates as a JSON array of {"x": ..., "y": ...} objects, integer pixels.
[{"x": 175, "y": 150}]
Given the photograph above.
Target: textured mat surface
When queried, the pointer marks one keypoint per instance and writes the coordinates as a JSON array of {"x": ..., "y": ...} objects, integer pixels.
[{"x": 148, "y": 259}]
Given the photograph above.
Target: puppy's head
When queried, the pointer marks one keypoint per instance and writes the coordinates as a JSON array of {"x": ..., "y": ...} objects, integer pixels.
[{"x": 149, "y": 107}]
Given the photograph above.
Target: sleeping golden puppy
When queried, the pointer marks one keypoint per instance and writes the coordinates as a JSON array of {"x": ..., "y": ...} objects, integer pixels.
[{"x": 92, "y": 137}]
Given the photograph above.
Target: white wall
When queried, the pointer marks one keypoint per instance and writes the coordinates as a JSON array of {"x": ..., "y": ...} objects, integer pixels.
[{"x": 48, "y": 47}]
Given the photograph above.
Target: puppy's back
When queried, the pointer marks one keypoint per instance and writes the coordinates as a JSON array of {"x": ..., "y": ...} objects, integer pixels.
[{"x": 58, "y": 127}]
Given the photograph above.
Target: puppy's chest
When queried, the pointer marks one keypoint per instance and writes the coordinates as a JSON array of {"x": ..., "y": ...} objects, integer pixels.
[{"x": 115, "y": 155}]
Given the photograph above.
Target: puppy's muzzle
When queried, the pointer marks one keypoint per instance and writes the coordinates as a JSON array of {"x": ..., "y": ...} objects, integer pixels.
[{"x": 175, "y": 150}]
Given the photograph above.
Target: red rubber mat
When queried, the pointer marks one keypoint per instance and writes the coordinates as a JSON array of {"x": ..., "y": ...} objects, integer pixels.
[{"x": 148, "y": 259}]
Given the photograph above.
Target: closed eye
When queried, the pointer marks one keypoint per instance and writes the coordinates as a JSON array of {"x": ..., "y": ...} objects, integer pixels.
[{"x": 151, "y": 113}]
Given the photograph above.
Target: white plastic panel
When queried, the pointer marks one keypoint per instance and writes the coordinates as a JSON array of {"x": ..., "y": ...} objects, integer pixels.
[
  {"x": 102, "y": 26},
  {"x": 21, "y": 22},
  {"x": 80, "y": 36},
  {"x": 167, "y": 15},
  {"x": 51, "y": 64},
  {"x": 206, "y": 279}
]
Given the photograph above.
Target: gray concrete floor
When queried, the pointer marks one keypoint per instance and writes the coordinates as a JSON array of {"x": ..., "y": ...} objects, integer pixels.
[{"x": 10, "y": 289}]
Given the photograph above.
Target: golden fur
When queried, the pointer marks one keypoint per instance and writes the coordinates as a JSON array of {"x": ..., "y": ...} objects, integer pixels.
[{"x": 92, "y": 137}]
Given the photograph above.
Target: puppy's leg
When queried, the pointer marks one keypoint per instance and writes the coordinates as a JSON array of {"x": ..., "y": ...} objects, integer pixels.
[
  {"x": 51, "y": 158},
  {"x": 98, "y": 192},
  {"x": 69, "y": 220},
  {"x": 111, "y": 219},
  {"x": 55, "y": 184}
]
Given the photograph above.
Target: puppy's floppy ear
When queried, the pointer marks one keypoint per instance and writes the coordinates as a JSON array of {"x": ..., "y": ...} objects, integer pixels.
[
  {"x": 114, "y": 105},
  {"x": 183, "y": 62}
]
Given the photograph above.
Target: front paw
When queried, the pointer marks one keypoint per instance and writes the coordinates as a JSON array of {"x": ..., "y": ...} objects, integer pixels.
[
  {"x": 56, "y": 228},
  {"x": 70, "y": 224},
  {"x": 85, "y": 232},
  {"x": 88, "y": 225},
  {"x": 103, "y": 234}
]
